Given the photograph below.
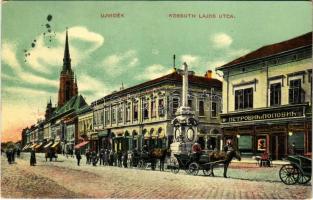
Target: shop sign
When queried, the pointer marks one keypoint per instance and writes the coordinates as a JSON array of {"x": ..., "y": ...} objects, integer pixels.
[{"x": 264, "y": 115}]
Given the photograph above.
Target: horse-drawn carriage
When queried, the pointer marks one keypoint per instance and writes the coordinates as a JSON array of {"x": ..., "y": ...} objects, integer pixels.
[
  {"x": 143, "y": 159},
  {"x": 190, "y": 163},
  {"x": 298, "y": 171},
  {"x": 195, "y": 162}
]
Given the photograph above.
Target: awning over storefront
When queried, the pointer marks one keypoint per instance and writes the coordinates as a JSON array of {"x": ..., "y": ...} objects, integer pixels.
[
  {"x": 48, "y": 145},
  {"x": 103, "y": 133},
  {"x": 55, "y": 144},
  {"x": 32, "y": 146},
  {"x": 38, "y": 145},
  {"x": 77, "y": 146},
  {"x": 26, "y": 146}
]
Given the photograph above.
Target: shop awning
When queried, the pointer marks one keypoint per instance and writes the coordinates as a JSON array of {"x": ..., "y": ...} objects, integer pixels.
[
  {"x": 32, "y": 146},
  {"x": 55, "y": 144},
  {"x": 77, "y": 146},
  {"x": 26, "y": 146},
  {"x": 48, "y": 145},
  {"x": 38, "y": 145},
  {"x": 103, "y": 133}
]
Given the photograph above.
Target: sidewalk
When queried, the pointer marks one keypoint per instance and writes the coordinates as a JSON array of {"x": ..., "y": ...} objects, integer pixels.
[{"x": 253, "y": 161}]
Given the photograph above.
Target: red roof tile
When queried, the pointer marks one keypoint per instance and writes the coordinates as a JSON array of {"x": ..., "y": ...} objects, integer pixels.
[{"x": 272, "y": 49}]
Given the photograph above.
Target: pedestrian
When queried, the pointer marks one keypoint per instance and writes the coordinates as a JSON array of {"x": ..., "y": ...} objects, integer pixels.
[
  {"x": 8, "y": 153},
  {"x": 115, "y": 158},
  {"x": 87, "y": 154},
  {"x": 47, "y": 155},
  {"x": 78, "y": 157},
  {"x": 32, "y": 157},
  {"x": 125, "y": 157},
  {"x": 13, "y": 155},
  {"x": 94, "y": 158},
  {"x": 111, "y": 158},
  {"x": 106, "y": 157},
  {"x": 101, "y": 156},
  {"x": 294, "y": 150},
  {"x": 119, "y": 157},
  {"x": 18, "y": 152}
]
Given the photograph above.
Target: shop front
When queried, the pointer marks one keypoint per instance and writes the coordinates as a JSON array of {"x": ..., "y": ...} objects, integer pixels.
[{"x": 279, "y": 132}]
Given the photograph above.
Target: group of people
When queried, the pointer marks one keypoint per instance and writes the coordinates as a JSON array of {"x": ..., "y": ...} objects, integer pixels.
[
  {"x": 50, "y": 154},
  {"x": 106, "y": 157},
  {"x": 10, "y": 153}
]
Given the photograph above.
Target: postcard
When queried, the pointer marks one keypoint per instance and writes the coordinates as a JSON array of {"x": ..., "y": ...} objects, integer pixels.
[{"x": 156, "y": 99}]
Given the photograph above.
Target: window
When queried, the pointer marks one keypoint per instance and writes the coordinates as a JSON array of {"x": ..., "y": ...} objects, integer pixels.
[
  {"x": 214, "y": 109},
  {"x": 244, "y": 98},
  {"x": 161, "y": 108},
  {"x": 101, "y": 117},
  {"x": 128, "y": 112},
  {"x": 245, "y": 143},
  {"x": 145, "y": 109},
  {"x": 135, "y": 111},
  {"x": 296, "y": 94},
  {"x": 113, "y": 115},
  {"x": 107, "y": 119},
  {"x": 190, "y": 103},
  {"x": 201, "y": 108},
  {"x": 153, "y": 110},
  {"x": 175, "y": 104},
  {"x": 275, "y": 94},
  {"x": 120, "y": 114}
]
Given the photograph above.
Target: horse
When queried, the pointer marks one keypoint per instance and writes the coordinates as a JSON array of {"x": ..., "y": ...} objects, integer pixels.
[
  {"x": 224, "y": 157},
  {"x": 159, "y": 153}
]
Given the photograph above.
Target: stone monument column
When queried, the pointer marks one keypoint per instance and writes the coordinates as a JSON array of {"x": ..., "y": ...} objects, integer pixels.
[{"x": 185, "y": 124}]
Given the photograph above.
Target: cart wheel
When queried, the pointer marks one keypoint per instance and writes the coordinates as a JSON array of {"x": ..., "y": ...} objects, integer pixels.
[
  {"x": 174, "y": 165},
  {"x": 142, "y": 164},
  {"x": 193, "y": 168},
  {"x": 289, "y": 174},
  {"x": 207, "y": 172},
  {"x": 303, "y": 179}
]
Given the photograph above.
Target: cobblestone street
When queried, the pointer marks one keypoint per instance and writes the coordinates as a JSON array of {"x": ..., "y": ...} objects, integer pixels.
[{"x": 64, "y": 179}]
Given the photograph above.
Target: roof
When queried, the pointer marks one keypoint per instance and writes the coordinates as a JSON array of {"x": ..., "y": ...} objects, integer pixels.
[
  {"x": 272, "y": 49},
  {"x": 74, "y": 104},
  {"x": 169, "y": 78}
]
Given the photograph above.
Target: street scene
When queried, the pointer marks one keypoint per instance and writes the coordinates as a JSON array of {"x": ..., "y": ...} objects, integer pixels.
[
  {"x": 202, "y": 100},
  {"x": 63, "y": 178}
]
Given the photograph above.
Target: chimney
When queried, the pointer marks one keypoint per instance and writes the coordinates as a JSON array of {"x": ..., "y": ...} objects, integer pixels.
[{"x": 208, "y": 74}]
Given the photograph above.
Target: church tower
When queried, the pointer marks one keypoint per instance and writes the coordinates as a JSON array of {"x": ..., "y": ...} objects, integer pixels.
[{"x": 68, "y": 86}]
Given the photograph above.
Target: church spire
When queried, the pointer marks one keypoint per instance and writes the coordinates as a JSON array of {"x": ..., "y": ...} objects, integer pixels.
[{"x": 66, "y": 58}]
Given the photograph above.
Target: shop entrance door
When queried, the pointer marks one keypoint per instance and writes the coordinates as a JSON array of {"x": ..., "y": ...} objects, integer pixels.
[{"x": 278, "y": 144}]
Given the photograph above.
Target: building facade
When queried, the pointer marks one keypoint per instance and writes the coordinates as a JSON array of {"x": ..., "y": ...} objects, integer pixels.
[
  {"x": 85, "y": 129},
  {"x": 267, "y": 99},
  {"x": 142, "y": 114}
]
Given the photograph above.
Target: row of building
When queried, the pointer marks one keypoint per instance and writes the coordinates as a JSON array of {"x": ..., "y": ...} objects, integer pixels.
[{"x": 263, "y": 104}]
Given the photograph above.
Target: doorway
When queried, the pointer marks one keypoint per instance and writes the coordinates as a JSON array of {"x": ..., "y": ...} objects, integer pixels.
[{"x": 278, "y": 146}]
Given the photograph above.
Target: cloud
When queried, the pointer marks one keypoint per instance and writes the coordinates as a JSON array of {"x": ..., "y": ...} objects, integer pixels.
[
  {"x": 44, "y": 59},
  {"x": 27, "y": 92},
  {"x": 213, "y": 64},
  {"x": 34, "y": 79},
  {"x": 116, "y": 64},
  {"x": 237, "y": 53},
  {"x": 192, "y": 61},
  {"x": 83, "y": 34},
  {"x": 9, "y": 55},
  {"x": 154, "y": 71},
  {"x": 92, "y": 88},
  {"x": 221, "y": 40}
]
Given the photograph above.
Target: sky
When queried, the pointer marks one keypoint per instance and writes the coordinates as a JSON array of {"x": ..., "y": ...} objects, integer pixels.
[{"x": 133, "y": 48}]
